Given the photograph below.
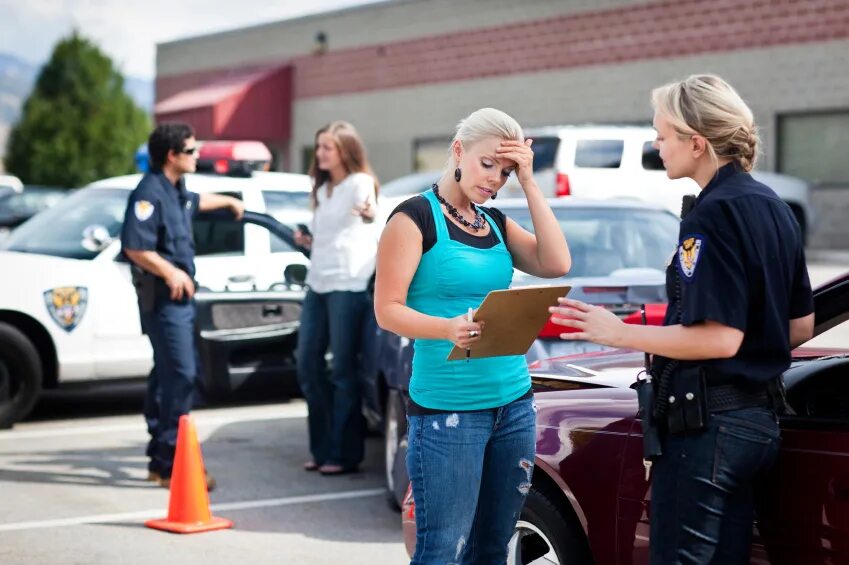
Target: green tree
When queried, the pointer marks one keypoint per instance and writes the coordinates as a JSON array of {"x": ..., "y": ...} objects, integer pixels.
[{"x": 78, "y": 124}]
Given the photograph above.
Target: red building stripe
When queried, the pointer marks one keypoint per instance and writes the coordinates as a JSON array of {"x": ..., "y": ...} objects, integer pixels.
[{"x": 654, "y": 30}]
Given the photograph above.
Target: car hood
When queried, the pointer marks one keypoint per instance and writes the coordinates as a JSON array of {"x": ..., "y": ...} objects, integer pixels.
[
  {"x": 40, "y": 271},
  {"x": 625, "y": 286},
  {"x": 619, "y": 368}
]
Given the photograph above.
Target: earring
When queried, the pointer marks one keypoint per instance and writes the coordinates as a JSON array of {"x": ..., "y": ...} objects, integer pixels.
[
  {"x": 457, "y": 174},
  {"x": 494, "y": 196}
]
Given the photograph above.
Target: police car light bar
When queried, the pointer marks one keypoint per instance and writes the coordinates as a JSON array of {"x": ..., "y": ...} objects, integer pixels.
[{"x": 235, "y": 158}]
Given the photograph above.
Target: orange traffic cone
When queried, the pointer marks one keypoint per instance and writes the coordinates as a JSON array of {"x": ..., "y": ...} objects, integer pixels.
[{"x": 188, "y": 504}]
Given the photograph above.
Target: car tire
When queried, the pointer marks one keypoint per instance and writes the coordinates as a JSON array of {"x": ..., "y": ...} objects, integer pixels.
[
  {"x": 395, "y": 439},
  {"x": 20, "y": 375},
  {"x": 544, "y": 535}
]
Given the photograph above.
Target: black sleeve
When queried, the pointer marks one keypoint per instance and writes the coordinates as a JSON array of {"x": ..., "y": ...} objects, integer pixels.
[
  {"x": 801, "y": 297},
  {"x": 418, "y": 209},
  {"x": 500, "y": 221},
  {"x": 714, "y": 285}
]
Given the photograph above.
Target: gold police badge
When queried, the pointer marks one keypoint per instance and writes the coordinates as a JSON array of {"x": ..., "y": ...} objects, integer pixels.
[
  {"x": 688, "y": 255},
  {"x": 66, "y": 305}
]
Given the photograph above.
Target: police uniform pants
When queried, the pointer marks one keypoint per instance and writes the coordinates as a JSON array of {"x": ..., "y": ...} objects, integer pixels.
[
  {"x": 702, "y": 500},
  {"x": 170, "y": 385}
]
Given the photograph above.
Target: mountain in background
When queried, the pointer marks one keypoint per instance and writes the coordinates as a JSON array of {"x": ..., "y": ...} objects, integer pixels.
[{"x": 17, "y": 78}]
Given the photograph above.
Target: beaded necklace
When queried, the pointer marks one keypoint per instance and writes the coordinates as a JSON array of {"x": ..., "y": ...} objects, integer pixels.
[{"x": 479, "y": 222}]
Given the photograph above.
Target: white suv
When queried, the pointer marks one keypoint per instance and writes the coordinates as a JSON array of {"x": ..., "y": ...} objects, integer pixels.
[{"x": 620, "y": 162}]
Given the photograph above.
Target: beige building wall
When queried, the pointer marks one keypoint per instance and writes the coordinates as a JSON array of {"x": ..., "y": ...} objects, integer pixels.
[{"x": 773, "y": 80}]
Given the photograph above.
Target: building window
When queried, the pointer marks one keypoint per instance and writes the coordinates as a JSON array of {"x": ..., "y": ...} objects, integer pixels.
[
  {"x": 307, "y": 154},
  {"x": 430, "y": 154},
  {"x": 813, "y": 147}
]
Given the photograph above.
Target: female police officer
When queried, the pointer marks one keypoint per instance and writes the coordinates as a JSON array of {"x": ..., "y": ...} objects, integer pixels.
[{"x": 740, "y": 300}]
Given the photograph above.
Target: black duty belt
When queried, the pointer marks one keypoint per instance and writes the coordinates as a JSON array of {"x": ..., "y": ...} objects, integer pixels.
[{"x": 722, "y": 398}]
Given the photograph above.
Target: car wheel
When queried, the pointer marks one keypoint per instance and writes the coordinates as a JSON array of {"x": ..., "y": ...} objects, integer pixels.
[
  {"x": 395, "y": 438},
  {"x": 20, "y": 375},
  {"x": 545, "y": 536}
]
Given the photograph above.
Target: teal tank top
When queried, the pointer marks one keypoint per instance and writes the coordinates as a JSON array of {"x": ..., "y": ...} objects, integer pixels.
[{"x": 451, "y": 278}]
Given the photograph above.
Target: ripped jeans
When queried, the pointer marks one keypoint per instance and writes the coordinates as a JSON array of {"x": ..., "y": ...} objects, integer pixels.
[{"x": 470, "y": 472}]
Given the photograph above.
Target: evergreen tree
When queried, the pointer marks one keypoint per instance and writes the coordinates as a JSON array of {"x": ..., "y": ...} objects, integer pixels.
[{"x": 78, "y": 124}]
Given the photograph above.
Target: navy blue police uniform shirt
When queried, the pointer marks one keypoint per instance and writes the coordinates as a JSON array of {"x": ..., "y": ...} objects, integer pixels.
[
  {"x": 159, "y": 218},
  {"x": 740, "y": 261}
]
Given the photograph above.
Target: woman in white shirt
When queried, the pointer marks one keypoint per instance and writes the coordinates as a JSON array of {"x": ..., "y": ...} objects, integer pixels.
[{"x": 343, "y": 246}]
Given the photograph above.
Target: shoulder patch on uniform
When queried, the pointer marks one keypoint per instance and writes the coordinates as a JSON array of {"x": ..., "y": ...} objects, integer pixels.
[
  {"x": 143, "y": 210},
  {"x": 689, "y": 251}
]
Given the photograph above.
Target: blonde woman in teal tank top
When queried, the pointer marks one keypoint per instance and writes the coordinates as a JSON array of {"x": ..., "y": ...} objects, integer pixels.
[{"x": 471, "y": 423}]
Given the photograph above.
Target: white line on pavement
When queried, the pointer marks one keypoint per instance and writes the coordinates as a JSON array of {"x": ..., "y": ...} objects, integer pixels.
[
  {"x": 136, "y": 427},
  {"x": 144, "y": 514}
]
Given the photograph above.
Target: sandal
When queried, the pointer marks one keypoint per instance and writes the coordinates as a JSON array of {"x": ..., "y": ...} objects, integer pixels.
[
  {"x": 331, "y": 469},
  {"x": 311, "y": 466}
]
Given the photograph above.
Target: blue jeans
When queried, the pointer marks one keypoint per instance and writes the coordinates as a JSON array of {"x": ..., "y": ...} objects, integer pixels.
[
  {"x": 702, "y": 500},
  {"x": 470, "y": 472},
  {"x": 171, "y": 384},
  {"x": 335, "y": 419}
]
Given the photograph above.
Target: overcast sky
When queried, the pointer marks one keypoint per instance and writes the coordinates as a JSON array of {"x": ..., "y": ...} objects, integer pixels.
[{"x": 128, "y": 30}]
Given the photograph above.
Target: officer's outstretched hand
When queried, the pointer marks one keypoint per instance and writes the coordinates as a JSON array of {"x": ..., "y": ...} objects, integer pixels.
[
  {"x": 593, "y": 323},
  {"x": 180, "y": 284}
]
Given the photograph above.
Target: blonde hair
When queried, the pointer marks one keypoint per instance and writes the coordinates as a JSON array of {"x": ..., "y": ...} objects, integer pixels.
[
  {"x": 352, "y": 152},
  {"x": 483, "y": 124},
  {"x": 708, "y": 106}
]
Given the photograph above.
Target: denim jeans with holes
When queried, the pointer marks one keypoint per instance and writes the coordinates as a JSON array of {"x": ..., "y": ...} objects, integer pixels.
[
  {"x": 702, "y": 500},
  {"x": 470, "y": 472}
]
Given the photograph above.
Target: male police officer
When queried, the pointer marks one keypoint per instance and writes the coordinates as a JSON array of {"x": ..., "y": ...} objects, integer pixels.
[{"x": 157, "y": 239}]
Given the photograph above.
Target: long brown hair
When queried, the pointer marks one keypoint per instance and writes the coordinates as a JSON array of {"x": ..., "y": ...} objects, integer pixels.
[{"x": 352, "y": 151}]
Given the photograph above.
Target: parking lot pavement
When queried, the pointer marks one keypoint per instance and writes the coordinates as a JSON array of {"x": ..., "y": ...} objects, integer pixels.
[{"x": 73, "y": 491}]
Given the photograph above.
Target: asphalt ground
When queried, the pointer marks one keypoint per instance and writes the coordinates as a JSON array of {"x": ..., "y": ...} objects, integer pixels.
[{"x": 73, "y": 491}]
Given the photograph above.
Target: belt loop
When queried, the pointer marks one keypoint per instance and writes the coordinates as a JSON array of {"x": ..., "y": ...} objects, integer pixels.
[{"x": 498, "y": 412}]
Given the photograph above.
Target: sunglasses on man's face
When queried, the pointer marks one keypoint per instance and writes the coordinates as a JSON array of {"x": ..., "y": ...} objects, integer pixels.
[{"x": 189, "y": 150}]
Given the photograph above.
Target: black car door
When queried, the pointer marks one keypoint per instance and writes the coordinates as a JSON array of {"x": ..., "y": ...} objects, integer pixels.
[{"x": 244, "y": 336}]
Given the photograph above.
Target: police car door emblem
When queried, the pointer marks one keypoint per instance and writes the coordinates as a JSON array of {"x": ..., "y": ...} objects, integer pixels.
[
  {"x": 688, "y": 255},
  {"x": 143, "y": 210},
  {"x": 66, "y": 305}
]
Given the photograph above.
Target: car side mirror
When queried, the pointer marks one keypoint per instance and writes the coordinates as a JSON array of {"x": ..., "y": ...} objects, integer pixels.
[
  {"x": 295, "y": 274},
  {"x": 95, "y": 238}
]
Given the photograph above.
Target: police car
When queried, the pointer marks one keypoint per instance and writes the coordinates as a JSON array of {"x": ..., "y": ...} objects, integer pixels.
[{"x": 68, "y": 309}]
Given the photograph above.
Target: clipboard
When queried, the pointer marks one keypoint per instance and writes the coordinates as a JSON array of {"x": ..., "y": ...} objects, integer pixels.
[{"x": 514, "y": 318}]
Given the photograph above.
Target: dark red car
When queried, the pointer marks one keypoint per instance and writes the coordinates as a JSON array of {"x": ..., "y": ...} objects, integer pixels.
[{"x": 590, "y": 501}]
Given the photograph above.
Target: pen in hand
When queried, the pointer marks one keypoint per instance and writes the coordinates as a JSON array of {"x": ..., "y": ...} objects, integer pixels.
[{"x": 469, "y": 315}]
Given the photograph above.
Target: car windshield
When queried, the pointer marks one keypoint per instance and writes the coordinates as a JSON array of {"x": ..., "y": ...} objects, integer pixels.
[
  {"x": 30, "y": 201},
  {"x": 58, "y": 231},
  {"x": 603, "y": 240}
]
